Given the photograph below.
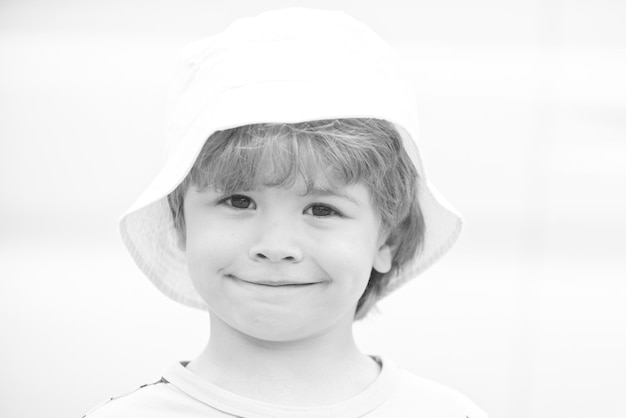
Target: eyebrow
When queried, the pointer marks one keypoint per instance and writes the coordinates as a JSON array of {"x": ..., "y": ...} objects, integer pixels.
[{"x": 317, "y": 192}]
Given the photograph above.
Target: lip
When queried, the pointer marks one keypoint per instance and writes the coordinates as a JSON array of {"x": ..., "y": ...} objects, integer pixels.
[
  {"x": 281, "y": 284},
  {"x": 273, "y": 283}
]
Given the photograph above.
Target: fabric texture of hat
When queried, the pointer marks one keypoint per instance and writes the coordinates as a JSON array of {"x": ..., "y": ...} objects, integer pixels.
[{"x": 284, "y": 66}]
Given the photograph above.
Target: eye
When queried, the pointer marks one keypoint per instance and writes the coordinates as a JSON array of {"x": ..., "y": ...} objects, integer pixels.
[
  {"x": 238, "y": 201},
  {"x": 322, "y": 211}
]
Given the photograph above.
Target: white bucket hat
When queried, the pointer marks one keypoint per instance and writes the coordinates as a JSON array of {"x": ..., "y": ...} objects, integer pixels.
[{"x": 284, "y": 66}]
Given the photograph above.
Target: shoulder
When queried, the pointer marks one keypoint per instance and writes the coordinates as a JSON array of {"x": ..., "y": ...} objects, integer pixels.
[
  {"x": 158, "y": 399},
  {"x": 438, "y": 396},
  {"x": 416, "y": 396}
]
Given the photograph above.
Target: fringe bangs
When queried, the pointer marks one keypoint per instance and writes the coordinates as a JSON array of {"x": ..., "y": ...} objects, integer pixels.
[{"x": 256, "y": 156}]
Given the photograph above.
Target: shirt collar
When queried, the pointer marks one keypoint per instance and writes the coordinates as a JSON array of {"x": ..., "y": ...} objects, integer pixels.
[{"x": 228, "y": 402}]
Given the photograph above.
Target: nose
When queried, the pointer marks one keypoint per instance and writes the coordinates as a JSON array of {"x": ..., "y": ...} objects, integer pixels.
[{"x": 276, "y": 242}]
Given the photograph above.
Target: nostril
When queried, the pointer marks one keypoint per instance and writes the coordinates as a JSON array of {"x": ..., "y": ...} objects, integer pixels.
[
  {"x": 275, "y": 250},
  {"x": 270, "y": 257}
]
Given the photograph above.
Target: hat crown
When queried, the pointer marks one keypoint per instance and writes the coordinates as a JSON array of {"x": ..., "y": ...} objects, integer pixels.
[{"x": 296, "y": 45}]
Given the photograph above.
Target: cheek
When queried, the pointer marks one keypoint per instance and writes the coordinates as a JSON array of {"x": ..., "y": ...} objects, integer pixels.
[
  {"x": 208, "y": 250},
  {"x": 349, "y": 264},
  {"x": 207, "y": 240}
]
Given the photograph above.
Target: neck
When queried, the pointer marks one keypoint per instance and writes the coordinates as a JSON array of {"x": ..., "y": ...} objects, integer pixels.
[{"x": 316, "y": 370}]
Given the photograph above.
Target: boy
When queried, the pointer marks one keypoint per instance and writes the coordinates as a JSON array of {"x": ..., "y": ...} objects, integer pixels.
[{"x": 293, "y": 199}]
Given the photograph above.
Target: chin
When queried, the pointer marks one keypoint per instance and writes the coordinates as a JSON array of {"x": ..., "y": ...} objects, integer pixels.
[{"x": 276, "y": 327}]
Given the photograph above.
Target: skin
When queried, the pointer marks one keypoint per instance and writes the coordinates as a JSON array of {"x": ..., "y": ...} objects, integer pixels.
[{"x": 282, "y": 271}]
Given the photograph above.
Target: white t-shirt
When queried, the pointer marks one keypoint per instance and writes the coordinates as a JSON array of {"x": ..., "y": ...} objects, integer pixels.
[{"x": 395, "y": 393}]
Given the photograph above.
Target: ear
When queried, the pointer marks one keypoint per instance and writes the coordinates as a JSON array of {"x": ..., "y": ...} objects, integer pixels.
[{"x": 383, "y": 259}]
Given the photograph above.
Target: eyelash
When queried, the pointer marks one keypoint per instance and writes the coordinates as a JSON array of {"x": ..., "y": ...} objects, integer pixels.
[
  {"x": 229, "y": 202},
  {"x": 333, "y": 212}
]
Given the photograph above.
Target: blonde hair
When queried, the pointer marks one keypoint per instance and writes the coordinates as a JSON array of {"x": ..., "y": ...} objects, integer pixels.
[{"x": 340, "y": 152}]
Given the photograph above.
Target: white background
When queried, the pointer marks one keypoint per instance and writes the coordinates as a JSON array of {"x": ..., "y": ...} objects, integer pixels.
[{"x": 523, "y": 128}]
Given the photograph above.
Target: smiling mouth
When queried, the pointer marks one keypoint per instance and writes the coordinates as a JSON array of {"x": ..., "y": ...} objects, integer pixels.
[
  {"x": 270, "y": 283},
  {"x": 280, "y": 284}
]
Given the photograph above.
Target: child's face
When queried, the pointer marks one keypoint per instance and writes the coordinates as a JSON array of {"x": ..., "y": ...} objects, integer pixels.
[{"x": 278, "y": 264}]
